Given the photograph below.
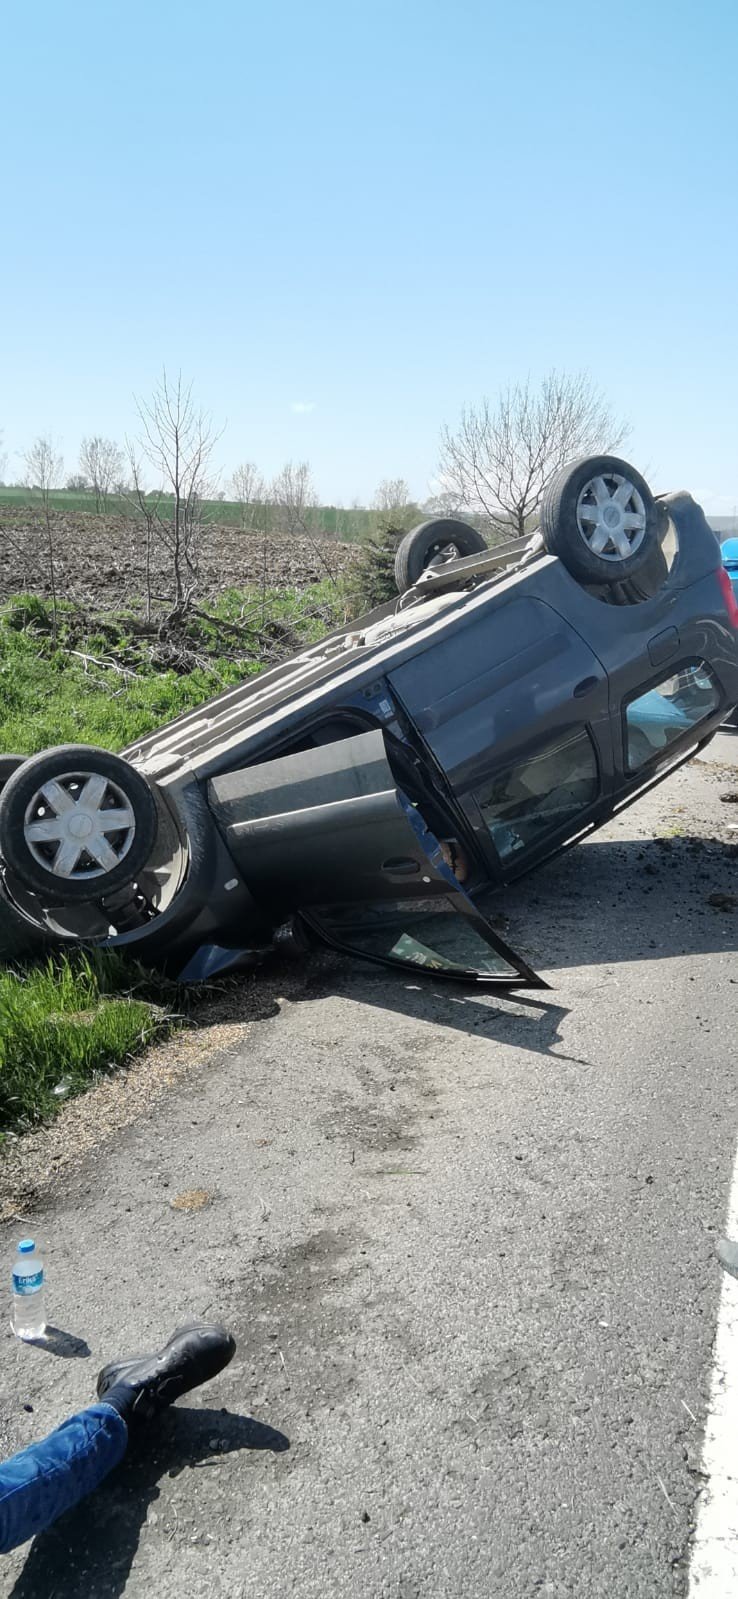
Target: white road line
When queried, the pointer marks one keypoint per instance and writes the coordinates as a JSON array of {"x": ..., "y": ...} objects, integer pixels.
[{"x": 713, "y": 1571}]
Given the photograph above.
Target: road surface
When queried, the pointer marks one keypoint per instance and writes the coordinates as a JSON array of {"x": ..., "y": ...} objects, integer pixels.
[{"x": 466, "y": 1246}]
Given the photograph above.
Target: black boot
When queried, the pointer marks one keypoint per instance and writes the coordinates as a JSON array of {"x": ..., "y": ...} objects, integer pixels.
[{"x": 142, "y": 1385}]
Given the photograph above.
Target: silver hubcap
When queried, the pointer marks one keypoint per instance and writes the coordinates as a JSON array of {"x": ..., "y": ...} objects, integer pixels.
[
  {"x": 448, "y": 553},
  {"x": 79, "y": 825},
  {"x": 611, "y": 517}
]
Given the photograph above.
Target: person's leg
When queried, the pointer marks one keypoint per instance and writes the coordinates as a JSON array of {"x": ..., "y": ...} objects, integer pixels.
[{"x": 51, "y": 1476}]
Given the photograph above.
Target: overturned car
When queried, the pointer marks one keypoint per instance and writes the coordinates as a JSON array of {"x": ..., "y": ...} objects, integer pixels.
[{"x": 372, "y": 791}]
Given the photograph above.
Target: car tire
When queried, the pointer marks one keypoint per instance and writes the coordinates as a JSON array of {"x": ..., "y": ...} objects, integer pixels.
[
  {"x": 600, "y": 518},
  {"x": 425, "y": 544},
  {"x": 35, "y": 835}
]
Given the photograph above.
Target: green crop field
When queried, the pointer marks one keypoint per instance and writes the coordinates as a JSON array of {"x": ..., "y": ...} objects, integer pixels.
[{"x": 329, "y": 520}]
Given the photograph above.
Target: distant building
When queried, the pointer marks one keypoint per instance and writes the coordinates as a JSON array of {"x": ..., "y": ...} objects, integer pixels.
[{"x": 725, "y": 526}]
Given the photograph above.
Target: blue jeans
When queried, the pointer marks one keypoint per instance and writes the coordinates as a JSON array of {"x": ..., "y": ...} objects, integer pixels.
[{"x": 51, "y": 1476}]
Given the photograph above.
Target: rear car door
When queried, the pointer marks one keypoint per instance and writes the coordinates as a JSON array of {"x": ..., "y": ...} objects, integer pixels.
[{"x": 513, "y": 707}]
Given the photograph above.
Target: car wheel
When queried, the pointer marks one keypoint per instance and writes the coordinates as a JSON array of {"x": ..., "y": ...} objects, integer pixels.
[
  {"x": 76, "y": 823},
  {"x": 432, "y": 544},
  {"x": 600, "y": 517}
]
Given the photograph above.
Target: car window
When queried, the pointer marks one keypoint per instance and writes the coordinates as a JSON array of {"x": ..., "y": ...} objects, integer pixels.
[
  {"x": 655, "y": 719},
  {"x": 440, "y": 934},
  {"x": 541, "y": 794}
]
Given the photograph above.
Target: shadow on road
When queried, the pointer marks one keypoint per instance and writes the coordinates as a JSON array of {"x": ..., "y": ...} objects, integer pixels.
[
  {"x": 609, "y": 901},
  {"x": 603, "y": 903},
  {"x": 64, "y": 1344},
  {"x": 518, "y": 1019},
  {"x": 89, "y": 1552}
]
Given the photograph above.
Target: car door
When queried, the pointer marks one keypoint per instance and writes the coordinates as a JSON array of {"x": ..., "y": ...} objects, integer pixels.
[
  {"x": 513, "y": 707},
  {"x": 329, "y": 834}
]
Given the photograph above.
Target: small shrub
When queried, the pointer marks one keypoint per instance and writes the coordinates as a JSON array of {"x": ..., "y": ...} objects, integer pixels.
[{"x": 371, "y": 580}]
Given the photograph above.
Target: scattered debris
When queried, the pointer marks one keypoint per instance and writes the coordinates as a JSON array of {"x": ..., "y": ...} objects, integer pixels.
[
  {"x": 721, "y": 901},
  {"x": 193, "y": 1199},
  {"x": 667, "y": 1497}
]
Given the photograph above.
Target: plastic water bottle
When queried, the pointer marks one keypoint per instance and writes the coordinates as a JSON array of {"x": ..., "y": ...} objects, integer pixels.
[{"x": 29, "y": 1309}]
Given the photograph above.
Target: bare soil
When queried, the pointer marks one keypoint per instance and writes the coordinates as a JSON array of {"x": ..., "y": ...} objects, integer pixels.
[{"x": 100, "y": 560}]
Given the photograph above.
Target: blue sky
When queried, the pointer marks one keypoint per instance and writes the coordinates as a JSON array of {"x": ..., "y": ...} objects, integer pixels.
[{"x": 376, "y": 212}]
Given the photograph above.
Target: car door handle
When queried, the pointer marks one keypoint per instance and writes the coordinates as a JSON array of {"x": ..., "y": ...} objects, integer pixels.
[
  {"x": 585, "y": 687},
  {"x": 401, "y": 867}
]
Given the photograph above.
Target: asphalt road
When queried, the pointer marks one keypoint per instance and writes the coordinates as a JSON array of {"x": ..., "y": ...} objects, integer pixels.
[{"x": 467, "y": 1249}]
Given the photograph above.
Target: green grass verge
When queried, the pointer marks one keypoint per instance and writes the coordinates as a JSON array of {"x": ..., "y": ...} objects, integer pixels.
[
  {"x": 66, "y": 1020},
  {"x": 50, "y": 694},
  {"x": 62, "y": 1024}
]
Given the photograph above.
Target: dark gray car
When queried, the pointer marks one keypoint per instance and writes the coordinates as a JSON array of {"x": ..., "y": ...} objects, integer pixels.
[{"x": 372, "y": 791}]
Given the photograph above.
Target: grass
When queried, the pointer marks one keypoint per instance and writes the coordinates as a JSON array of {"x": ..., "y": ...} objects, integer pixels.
[
  {"x": 65, "y": 1020},
  {"x": 62, "y": 1023},
  {"x": 50, "y": 695}
]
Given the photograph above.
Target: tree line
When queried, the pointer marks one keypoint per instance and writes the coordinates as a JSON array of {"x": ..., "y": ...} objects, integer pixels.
[{"x": 493, "y": 468}]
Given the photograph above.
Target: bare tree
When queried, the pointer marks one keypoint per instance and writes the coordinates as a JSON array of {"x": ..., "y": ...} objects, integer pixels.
[
  {"x": 3, "y": 460},
  {"x": 44, "y": 466},
  {"x": 445, "y": 502},
  {"x": 249, "y": 490},
  {"x": 393, "y": 506},
  {"x": 178, "y": 441},
  {"x": 294, "y": 498},
  {"x": 502, "y": 457},
  {"x": 44, "y": 470},
  {"x": 392, "y": 495},
  {"x": 295, "y": 503},
  {"x": 101, "y": 462},
  {"x": 146, "y": 510}
]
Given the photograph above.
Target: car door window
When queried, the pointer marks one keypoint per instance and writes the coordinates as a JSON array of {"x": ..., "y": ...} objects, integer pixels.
[
  {"x": 542, "y": 794},
  {"x": 443, "y": 934},
  {"x": 655, "y": 719}
]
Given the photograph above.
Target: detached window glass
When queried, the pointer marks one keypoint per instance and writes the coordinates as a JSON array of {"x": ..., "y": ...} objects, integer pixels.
[
  {"x": 657, "y": 718},
  {"x": 442, "y": 934},
  {"x": 541, "y": 795}
]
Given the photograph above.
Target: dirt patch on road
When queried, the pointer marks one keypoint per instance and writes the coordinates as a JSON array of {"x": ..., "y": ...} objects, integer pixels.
[{"x": 100, "y": 561}]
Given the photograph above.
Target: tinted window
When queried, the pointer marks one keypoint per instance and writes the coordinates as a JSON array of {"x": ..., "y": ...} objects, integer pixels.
[
  {"x": 542, "y": 794},
  {"x": 657, "y": 718}
]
